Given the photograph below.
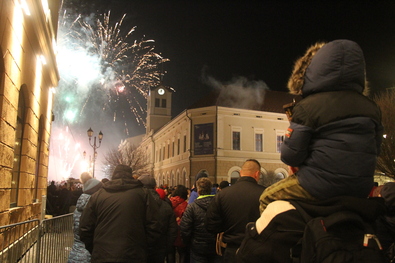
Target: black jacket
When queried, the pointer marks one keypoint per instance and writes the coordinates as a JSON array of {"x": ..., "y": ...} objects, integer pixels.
[
  {"x": 193, "y": 230},
  {"x": 335, "y": 132},
  {"x": 234, "y": 207},
  {"x": 119, "y": 222},
  {"x": 169, "y": 230}
]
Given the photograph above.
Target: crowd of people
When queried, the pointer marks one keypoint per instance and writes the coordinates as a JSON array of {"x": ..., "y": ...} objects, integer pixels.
[
  {"x": 331, "y": 147},
  {"x": 62, "y": 196}
]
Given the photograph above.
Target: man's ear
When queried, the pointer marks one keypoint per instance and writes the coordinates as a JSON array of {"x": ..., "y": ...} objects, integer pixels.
[{"x": 257, "y": 173}]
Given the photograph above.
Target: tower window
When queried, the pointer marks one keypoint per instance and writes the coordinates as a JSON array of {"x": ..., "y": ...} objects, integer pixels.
[
  {"x": 163, "y": 103},
  {"x": 157, "y": 102}
]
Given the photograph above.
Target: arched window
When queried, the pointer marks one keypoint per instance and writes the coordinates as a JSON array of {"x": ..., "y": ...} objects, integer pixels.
[
  {"x": 234, "y": 176},
  {"x": 178, "y": 180},
  {"x": 16, "y": 170},
  {"x": 173, "y": 179},
  {"x": 185, "y": 178}
]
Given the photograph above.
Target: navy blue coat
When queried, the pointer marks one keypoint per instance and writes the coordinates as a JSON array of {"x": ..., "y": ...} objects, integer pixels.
[{"x": 335, "y": 132}]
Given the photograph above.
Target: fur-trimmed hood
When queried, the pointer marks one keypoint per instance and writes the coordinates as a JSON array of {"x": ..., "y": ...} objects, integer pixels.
[{"x": 334, "y": 66}]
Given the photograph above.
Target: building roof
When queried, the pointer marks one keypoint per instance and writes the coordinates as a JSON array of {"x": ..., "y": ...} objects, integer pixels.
[{"x": 272, "y": 101}]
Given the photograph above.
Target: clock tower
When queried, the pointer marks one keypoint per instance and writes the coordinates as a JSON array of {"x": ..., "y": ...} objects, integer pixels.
[{"x": 158, "y": 107}]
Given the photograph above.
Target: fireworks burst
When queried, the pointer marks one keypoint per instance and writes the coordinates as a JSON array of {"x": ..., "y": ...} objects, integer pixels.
[
  {"x": 64, "y": 155},
  {"x": 105, "y": 77},
  {"x": 101, "y": 66}
]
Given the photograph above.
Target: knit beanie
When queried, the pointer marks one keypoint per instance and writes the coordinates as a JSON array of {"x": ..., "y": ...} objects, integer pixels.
[
  {"x": 200, "y": 175},
  {"x": 91, "y": 186},
  {"x": 85, "y": 176},
  {"x": 122, "y": 171},
  {"x": 148, "y": 181}
]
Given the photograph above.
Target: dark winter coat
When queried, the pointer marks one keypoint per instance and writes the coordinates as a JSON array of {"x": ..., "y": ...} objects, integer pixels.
[
  {"x": 193, "y": 230},
  {"x": 78, "y": 252},
  {"x": 119, "y": 222},
  {"x": 335, "y": 132},
  {"x": 232, "y": 208},
  {"x": 169, "y": 230}
]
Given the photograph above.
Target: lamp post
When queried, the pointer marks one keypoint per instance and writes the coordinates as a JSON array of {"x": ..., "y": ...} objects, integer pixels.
[
  {"x": 94, "y": 146},
  {"x": 89, "y": 162}
]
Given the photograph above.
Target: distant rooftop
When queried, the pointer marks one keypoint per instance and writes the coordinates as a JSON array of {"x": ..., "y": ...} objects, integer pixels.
[{"x": 273, "y": 101}]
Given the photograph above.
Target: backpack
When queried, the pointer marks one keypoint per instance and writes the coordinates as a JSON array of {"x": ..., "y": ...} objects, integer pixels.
[
  {"x": 332, "y": 230},
  {"x": 273, "y": 244},
  {"x": 343, "y": 236}
]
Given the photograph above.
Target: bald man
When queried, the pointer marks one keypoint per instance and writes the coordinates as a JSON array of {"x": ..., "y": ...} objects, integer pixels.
[{"x": 234, "y": 207}]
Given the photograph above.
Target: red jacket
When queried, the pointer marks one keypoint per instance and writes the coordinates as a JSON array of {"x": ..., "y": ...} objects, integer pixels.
[{"x": 179, "y": 205}]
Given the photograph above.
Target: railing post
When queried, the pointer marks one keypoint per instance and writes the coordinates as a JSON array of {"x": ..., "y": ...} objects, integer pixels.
[{"x": 40, "y": 226}]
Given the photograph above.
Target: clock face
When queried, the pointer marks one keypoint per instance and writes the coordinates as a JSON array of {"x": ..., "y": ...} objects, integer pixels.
[{"x": 161, "y": 91}]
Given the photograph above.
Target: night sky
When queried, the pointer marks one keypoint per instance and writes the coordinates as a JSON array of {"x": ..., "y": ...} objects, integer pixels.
[{"x": 259, "y": 40}]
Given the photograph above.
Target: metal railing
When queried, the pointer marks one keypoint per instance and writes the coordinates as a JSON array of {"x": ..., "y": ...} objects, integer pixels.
[{"x": 32, "y": 241}]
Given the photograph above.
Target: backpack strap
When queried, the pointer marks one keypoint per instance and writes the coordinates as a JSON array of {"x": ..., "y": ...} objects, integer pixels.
[{"x": 296, "y": 251}]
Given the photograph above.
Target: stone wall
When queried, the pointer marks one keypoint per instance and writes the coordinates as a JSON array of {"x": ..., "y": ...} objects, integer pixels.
[{"x": 23, "y": 38}]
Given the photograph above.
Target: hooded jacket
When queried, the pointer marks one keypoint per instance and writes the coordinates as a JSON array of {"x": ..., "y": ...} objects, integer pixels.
[
  {"x": 120, "y": 221},
  {"x": 335, "y": 131},
  {"x": 193, "y": 230}
]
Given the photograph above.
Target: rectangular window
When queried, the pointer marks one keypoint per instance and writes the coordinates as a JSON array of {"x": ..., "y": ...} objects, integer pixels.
[
  {"x": 236, "y": 140},
  {"x": 185, "y": 143},
  {"x": 172, "y": 152},
  {"x": 168, "y": 151},
  {"x": 163, "y": 103},
  {"x": 163, "y": 153},
  {"x": 157, "y": 102},
  {"x": 178, "y": 146},
  {"x": 258, "y": 142}
]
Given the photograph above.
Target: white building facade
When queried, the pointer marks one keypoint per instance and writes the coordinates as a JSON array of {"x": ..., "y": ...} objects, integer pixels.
[{"x": 216, "y": 139}]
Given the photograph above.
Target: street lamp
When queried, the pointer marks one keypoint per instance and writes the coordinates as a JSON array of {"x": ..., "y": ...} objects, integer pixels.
[{"x": 94, "y": 146}]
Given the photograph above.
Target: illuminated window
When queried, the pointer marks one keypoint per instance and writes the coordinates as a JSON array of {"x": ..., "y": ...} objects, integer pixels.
[
  {"x": 18, "y": 149},
  {"x": 280, "y": 139},
  {"x": 258, "y": 142},
  {"x": 236, "y": 135}
]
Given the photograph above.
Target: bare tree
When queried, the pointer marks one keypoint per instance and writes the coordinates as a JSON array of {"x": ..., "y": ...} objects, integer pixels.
[
  {"x": 386, "y": 162},
  {"x": 126, "y": 154}
]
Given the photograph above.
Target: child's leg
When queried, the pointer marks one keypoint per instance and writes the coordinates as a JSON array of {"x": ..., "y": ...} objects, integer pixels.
[{"x": 288, "y": 188}]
